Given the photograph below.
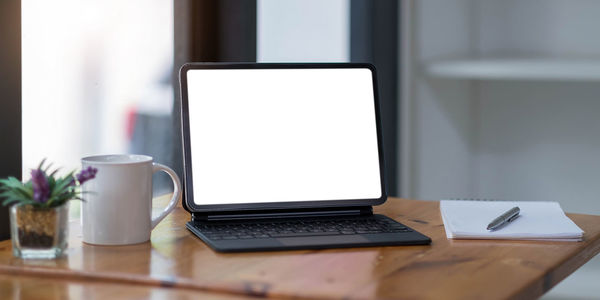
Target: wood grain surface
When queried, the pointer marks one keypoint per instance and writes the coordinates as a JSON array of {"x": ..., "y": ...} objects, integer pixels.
[
  {"x": 447, "y": 269},
  {"x": 28, "y": 287}
]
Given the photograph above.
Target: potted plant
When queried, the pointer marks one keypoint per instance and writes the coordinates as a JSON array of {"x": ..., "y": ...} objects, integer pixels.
[{"x": 39, "y": 212}]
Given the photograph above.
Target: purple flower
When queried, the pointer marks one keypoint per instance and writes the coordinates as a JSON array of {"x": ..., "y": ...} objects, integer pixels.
[
  {"x": 41, "y": 189},
  {"x": 86, "y": 174}
]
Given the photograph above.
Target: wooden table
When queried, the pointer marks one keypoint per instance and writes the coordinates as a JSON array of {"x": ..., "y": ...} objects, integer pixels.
[
  {"x": 176, "y": 263},
  {"x": 38, "y": 288}
]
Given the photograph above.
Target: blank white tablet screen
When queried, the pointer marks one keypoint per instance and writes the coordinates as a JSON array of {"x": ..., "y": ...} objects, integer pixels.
[{"x": 280, "y": 135}]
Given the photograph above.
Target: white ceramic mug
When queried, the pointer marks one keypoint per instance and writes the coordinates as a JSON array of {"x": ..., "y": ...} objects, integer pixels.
[{"x": 117, "y": 206}]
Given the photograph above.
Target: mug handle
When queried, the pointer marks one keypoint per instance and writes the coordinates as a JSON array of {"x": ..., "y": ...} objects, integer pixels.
[{"x": 176, "y": 192}]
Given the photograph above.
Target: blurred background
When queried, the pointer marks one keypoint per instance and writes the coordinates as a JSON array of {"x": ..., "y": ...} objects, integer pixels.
[
  {"x": 98, "y": 76},
  {"x": 480, "y": 98},
  {"x": 499, "y": 100}
]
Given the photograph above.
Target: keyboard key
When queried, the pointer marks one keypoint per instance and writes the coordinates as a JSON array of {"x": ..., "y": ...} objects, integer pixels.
[
  {"x": 372, "y": 231},
  {"x": 397, "y": 227},
  {"x": 297, "y": 234}
]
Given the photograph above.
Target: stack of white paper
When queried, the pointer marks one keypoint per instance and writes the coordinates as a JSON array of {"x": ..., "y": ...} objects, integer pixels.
[{"x": 536, "y": 221}]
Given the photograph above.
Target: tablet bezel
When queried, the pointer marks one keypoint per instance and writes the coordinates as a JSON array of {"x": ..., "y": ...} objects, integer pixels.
[{"x": 187, "y": 181}]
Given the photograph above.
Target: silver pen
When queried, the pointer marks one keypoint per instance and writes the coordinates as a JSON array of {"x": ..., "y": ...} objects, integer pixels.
[{"x": 504, "y": 219}]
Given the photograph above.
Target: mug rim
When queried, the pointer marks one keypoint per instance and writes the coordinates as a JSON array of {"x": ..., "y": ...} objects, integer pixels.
[{"x": 117, "y": 159}]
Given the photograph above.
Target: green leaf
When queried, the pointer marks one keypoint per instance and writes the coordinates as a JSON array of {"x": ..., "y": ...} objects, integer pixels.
[
  {"x": 62, "y": 184},
  {"x": 29, "y": 201},
  {"x": 4, "y": 183},
  {"x": 15, "y": 191},
  {"x": 29, "y": 186},
  {"x": 10, "y": 183},
  {"x": 47, "y": 169},
  {"x": 8, "y": 201},
  {"x": 27, "y": 194},
  {"x": 68, "y": 194},
  {"x": 13, "y": 194},
  {"x": 41, "y": 163},
  {"x": 51, "y": 182},
  {"x": 17, "y": 186},
  {"x": 54, "y": 172}
]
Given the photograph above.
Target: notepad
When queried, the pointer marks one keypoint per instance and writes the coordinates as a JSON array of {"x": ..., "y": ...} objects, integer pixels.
[{"x": 537, "y": 221}]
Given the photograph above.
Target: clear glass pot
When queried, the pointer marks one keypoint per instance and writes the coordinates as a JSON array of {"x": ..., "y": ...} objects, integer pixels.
[{"x": 39, "y": 233}]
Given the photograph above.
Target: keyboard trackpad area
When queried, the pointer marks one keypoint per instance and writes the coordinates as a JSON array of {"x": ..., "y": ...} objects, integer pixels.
[{"x": 318, "y": 240}]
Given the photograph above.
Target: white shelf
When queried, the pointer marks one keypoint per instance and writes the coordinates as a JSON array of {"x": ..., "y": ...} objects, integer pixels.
[{"x": 517, "y": 69}]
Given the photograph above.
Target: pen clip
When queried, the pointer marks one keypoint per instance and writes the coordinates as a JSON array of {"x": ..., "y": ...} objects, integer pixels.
[{"x": 513, "y": 218}]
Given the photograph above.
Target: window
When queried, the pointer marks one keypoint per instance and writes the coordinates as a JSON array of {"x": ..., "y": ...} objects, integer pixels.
[
  {"x": 96, "y": 80},
  {"x": 303, "y": 31}
]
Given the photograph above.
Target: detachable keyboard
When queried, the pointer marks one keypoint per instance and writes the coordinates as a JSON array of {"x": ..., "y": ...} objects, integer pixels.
[{"x": 305, "y": 233}]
